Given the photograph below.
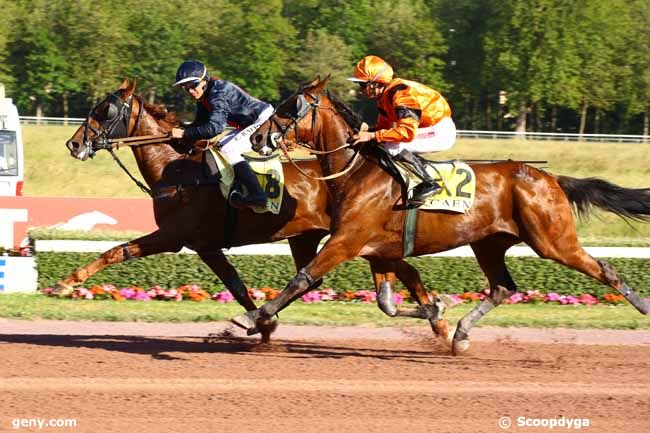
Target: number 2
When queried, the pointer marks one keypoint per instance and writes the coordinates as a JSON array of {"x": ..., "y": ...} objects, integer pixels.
[{"x": 461, "y": 184}]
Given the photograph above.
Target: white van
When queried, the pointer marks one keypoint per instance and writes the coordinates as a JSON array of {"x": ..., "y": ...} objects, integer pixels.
[{"x": 12, "y": 169}]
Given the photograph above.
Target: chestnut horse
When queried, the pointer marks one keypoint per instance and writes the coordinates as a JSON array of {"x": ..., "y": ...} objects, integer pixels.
[
  {"x": 514, "y": 203},
  {"x": 190, "y": 210}
]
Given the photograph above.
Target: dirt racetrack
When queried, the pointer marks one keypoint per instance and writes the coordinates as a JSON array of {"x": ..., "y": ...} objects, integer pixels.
[{"x": 138, "y": 377}]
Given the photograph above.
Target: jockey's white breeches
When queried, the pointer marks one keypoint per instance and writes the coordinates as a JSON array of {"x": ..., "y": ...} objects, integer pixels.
[
  {"x": 238, "y": 141},
  {"x": 436, "y": 138}
]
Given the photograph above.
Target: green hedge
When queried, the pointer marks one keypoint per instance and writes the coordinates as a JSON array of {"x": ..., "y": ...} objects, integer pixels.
[{"x": 448, "y": 275}]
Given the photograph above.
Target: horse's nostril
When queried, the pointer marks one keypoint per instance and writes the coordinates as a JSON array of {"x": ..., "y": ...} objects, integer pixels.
[{"x": 73, "y": 145}]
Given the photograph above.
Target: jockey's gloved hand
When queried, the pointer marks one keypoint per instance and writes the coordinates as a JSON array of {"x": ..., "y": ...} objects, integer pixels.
[{"x": 363, "y": 136}]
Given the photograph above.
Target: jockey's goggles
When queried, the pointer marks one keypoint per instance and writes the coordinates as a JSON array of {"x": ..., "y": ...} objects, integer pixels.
[{"x": 190, "y": 85}]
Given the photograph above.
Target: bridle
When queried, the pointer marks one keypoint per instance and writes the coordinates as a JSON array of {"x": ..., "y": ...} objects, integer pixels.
[
  {"x": 303, "y": 109},
  {"x": 115, "y": 126}
]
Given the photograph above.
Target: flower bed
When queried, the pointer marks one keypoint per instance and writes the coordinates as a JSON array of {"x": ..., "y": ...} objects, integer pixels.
[
  {"x": 445, "y": 274},
  {"x": 193, "y": 292}
]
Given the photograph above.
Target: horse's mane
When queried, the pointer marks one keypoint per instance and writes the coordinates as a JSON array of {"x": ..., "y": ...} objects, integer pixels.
[
  {"x": 161, "y": 114},
  {"x": 351, "y": 118}
]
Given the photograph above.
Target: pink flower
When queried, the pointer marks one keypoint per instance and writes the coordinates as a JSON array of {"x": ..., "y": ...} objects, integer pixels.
[
  {"x": 311, "y": 297},
  {"x": 570, "y": 299},
  {"x": 366, "y": 296},
  {"x": 257, "y": 294},
  {"x": 516, "y": 298},
  {"x": 587, "y": 299},
  {"x": 127, "y": 292},
  {"x": 533, "y": 296},
  {"x": 398, "y": 299},
  {"x": 553, "y": 297},
  {"x": 456, "y": 298},
  {"x": 141, "y": 296},
  {"x": 155, "y": 292},
  {"x": 328, "y": 295},
  {"x": 223, "y": 297},
  {"x": 47, "y": 290}
]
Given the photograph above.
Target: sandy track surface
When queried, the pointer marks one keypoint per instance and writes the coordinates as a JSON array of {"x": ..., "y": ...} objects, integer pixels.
[{"x": 137, "y": 377}]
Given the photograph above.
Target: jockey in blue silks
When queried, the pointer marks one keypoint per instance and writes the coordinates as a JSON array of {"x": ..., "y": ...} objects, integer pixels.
[{"x": 220, "y": 103}]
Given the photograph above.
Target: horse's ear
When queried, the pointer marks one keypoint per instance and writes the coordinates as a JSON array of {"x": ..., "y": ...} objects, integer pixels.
[
  {"x": 128, "y": 87},
  {"x": 131, "y": 88},
  {"x": 320, "y": 85}
]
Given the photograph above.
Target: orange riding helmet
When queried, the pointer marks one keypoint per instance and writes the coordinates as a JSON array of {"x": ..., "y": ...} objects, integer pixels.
[{"x": 372, "y": 69}]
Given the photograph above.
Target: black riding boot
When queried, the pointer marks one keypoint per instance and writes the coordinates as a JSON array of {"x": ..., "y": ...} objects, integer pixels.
[
  {"x": 428, "y": 186},
  {"x": 256, "y": 196}
]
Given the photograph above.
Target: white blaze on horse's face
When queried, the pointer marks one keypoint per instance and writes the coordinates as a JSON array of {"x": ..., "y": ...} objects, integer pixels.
[
  {"x": 79, "y": 147},
  {"x": 83, "y": 153}
]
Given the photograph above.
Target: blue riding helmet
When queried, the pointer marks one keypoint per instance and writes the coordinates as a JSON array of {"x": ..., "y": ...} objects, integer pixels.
[{"x": 191, "y": 71}]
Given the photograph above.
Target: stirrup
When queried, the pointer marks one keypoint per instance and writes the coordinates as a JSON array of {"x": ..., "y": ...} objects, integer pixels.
[{"x": 424, "y": 190}]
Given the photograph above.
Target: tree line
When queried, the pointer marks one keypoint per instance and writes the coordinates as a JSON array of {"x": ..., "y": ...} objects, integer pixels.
[{"x": 538, "y": 65}]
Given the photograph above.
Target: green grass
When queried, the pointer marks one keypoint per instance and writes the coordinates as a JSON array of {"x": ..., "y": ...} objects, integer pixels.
[
  {"x": 50, "y": 171},
  {"x": 79, "y": 235},
  {"x": 33, "y": 306}
]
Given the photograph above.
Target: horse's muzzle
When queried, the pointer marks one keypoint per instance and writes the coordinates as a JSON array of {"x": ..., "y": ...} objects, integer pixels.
[{"x": 78, "y": 149}]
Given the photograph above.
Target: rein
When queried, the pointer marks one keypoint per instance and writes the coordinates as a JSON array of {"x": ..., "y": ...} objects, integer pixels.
[
  {"x": 140, "y": 140},
  {"x": 348, "y": 166}
]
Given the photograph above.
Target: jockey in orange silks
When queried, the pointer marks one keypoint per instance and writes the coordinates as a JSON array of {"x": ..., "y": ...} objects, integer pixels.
[{"x": 413, "y": 118}]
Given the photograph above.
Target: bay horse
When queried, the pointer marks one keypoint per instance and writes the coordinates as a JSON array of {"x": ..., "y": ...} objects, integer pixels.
[
  {"x": 191, "y": 211},
  {"x": 514, "y": 203}
]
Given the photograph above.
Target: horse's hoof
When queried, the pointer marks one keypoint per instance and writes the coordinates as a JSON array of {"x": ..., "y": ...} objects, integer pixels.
[
  {"x": 246, "y": 320},
  {"x": 266, "y": 328},
  {"x": 459, "y": 346},
  {"x": 62, "y": 290}
]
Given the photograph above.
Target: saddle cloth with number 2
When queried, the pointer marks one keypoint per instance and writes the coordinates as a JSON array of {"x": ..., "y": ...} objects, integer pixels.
[{"x": 458, "y": 183}]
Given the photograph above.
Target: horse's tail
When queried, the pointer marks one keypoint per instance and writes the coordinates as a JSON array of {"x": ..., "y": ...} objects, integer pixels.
[{"x": 624, "y": 202}]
